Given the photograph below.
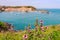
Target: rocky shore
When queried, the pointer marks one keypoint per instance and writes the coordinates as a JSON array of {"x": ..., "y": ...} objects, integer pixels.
[
  {"x": 17, "y": 8},
  {"x": 5, "y": 27},
  {"x": 21, "y": 9},
  {"x": 43, "y": 11}
]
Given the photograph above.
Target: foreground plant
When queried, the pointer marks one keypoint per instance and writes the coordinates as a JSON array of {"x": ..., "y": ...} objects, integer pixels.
[{"x": 38, "y": 33}]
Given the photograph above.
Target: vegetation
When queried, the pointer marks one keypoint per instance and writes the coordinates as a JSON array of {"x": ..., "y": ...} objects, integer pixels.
[
  {"x": 5, "y": 26},
  {"x": 49, "y": 33}
]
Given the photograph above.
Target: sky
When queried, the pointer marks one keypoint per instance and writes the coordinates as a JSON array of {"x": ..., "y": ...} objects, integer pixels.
[{"x": 35, "y": 3}]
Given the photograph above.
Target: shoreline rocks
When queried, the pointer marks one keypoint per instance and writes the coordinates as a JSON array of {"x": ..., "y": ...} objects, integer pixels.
[
  {"x": 17, "y": 8},
  {"x": 6, "y": 27},
  {"x": 21, "y": 9},
  {"x": 44, "y": 11}
]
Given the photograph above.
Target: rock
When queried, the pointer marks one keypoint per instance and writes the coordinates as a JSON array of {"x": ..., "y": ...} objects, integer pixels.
[
  {"x": 6, "y": 27},
  {"x": 18, "y": 8}
]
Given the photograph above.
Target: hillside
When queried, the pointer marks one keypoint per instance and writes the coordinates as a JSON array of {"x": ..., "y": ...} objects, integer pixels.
[
  {"x": 17, "y": 8},
  {"x": 38, "y": 33}
]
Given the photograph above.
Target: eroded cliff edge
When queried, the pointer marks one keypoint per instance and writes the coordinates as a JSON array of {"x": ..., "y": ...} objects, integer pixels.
[{"x": 18, "y": 8}]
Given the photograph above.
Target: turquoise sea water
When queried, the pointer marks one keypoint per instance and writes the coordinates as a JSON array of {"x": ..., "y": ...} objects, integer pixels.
[{"x": 20, "y": 19}]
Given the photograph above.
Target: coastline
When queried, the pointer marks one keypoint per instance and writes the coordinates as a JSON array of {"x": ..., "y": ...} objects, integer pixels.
[
  {"x": 21, "y": 9},
  {"x": 17, "y": 8}
]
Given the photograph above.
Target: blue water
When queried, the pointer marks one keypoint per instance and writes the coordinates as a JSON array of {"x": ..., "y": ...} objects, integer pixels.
[{"x": 20, "y": 19}]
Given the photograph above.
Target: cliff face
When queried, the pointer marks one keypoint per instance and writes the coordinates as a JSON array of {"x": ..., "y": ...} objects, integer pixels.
[
  {"x": 18, "y": 8},
  {"x": 5, "y": 27}
]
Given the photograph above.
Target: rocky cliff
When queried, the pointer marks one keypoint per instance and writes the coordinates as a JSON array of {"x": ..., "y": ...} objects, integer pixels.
[
  {"x": 5, "y": 27},
  {"x": 17, "y": 8}
]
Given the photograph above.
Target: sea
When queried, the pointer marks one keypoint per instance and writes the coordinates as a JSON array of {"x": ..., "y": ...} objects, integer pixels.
[{"x": 20, "y": 20}]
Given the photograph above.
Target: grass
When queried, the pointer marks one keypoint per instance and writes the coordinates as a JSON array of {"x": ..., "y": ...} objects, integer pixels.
[
  {"x": 52, "y": 33},
  {"x": 49, "y": 33}
]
